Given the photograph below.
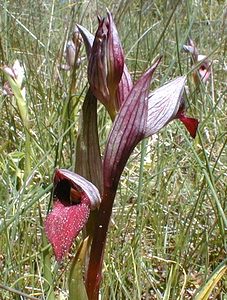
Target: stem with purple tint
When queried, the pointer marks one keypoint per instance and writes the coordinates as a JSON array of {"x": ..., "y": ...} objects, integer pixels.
[
  {"x": 126, "y": 133},
  {"x": 94, "y": 273}
]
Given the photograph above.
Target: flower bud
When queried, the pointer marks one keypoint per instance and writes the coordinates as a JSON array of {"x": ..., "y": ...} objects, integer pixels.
[{"x": 106, "y": 64}]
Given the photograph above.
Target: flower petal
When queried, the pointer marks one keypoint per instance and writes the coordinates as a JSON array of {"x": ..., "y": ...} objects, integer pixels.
[
  {"x": 190, "y": 123},
  {"x": 70, "y": 53},
  {"x": 77, "y": 182},
  {"x": 74, "y": 197},
  {"x": 64, "y": 223},
  {"x": 97, "y": 69},
  {"x": 191, "y": 48},
  {"x": 127, "y": 130},
  {"x": 164, "y": 104},
  {"x": 87, "y": 37},
  {"x": 114, "y": 55},
  {"x": 9, "y": 71},
  {"x": 106, "y": 64},
  {"x": 124, "y": 87}
]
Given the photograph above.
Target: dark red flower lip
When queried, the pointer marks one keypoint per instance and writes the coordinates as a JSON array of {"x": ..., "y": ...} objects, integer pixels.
[
  {"x": 190, "y": 123},
  {"x": 64, "y": 223},
  {"x": 74, "y": 197}
]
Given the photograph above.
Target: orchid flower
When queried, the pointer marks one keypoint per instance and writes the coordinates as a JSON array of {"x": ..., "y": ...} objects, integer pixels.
[
  {"x": 74, "y": 197},
  {"x": 203, "y": 72},
  {"x": 17, "y": 73},
  {"x": 141, "y": 116},
  {"x": 72, "y": 52}
]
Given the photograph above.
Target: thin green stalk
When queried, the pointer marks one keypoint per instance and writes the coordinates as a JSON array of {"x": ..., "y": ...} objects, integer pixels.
[
  {"x": 16, "y": 292},
  {"x": 25, "y": 208},
  {"x": 165, "y": 28},
  {"x": 208, "y": 176},
  {"x": 47, "y": 268},
  {"x": 27, "y": 164},
  {"x": 138, "y": 228}
]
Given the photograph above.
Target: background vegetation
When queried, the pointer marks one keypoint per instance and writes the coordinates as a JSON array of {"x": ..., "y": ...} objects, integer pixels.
[{"x": 168, "y": 226}]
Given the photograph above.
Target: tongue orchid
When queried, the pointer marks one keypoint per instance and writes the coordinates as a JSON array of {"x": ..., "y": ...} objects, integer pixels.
[{"x": 74, "y": 197}]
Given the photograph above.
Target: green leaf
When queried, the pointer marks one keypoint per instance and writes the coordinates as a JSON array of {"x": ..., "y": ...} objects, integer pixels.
[
  {"x": 205, "y": 291},
  {"x": 87, "y": 146},
  {"x": 77, "y": 288},
  {"x": 23, "y": 112}
]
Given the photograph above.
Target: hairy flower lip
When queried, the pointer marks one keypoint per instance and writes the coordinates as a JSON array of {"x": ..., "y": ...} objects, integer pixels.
[
  {"x": 64, "y": 223},
  {"x": 74, "y": 197},
  {"x": 65, "y": 179}
]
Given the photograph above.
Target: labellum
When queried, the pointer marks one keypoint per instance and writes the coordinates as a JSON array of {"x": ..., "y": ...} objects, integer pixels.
[{"x": 74, "y": 197}]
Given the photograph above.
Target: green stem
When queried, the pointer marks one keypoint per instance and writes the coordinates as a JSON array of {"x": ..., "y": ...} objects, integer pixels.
[{"x": 27, "y": 164}]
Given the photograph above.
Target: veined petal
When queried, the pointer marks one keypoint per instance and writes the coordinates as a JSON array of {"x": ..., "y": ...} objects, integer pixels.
[
  {"x": 127, "y": 130},
  {"x": 80, "y": 184},
  {"x": 106, "y": 64},
  {"x": 114, "y": 55},
  {"x": 124, "y": 87},
  {"x": 87, "y": 37},
  {"x": 164, "y": 104},
  {"x": 97, "y": 68}
]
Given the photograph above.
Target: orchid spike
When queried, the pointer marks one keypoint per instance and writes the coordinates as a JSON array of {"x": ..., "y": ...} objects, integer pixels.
[
  {"x": 141, "y": 115},
  {"x": 126, "y": 132},
  {"x": 106, "y": 63},
  {"x": 72, "y": 51},
  {"x": 74, "y": 197}
]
